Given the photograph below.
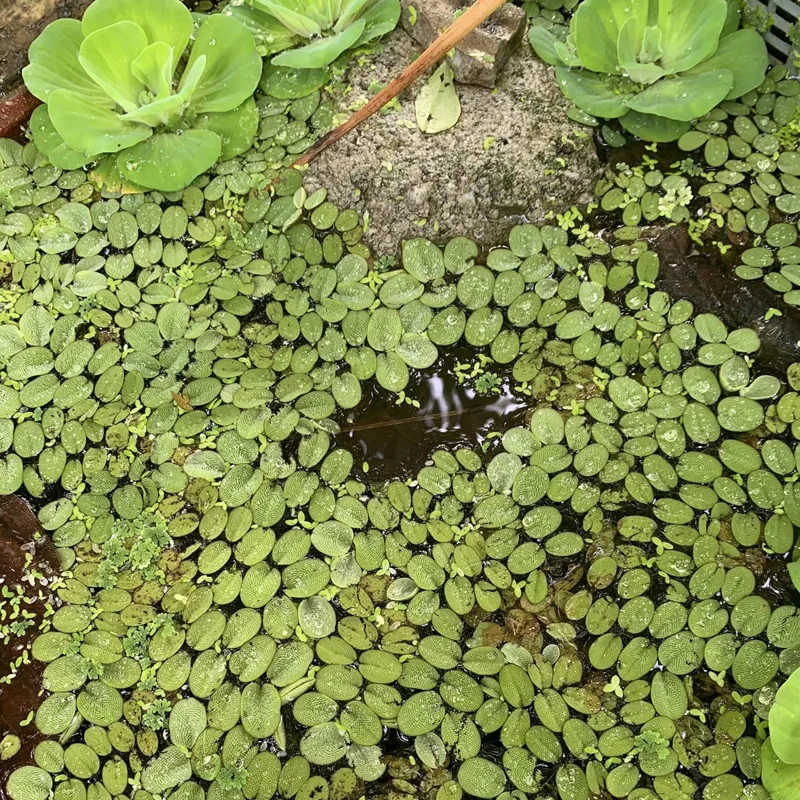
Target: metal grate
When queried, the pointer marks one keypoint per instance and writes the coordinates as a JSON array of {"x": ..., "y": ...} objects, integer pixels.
[{"x": 785, "y": 13}]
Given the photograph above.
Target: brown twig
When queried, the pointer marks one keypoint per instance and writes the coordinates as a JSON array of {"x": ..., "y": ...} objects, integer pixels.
[{"x": 480, "y": 11}]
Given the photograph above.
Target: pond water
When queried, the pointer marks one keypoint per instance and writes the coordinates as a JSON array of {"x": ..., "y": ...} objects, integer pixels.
[
  {"x": 21, "y": 536},
  {"x": 396, "y": 439}
]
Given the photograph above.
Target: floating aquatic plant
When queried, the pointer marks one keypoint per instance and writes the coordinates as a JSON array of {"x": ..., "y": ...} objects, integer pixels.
[
  {"x": 244, "y": 612},
  {"x": 654, "y": 65},
  {"x": 109, "y": 85},
  {"x": 324, "y": 29}
]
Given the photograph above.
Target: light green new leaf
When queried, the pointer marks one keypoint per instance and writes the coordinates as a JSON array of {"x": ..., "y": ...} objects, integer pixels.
[
  {"x": 744, "y": 54},
  {"x": 90, "y": 128},
  {"x": 651, "y": 45},
  {"x": 54, "y": 64},
  {"x": 173, "y": 106},
  {"x": 232, "y": 69},
  {"x": 166, "y": 21},
  {"x": 686, "y": 97},
  {"x": 784, "y": 721},
  {"x": 107, "y": 56},
  {"x": 50, "y": 142},
  {"x": 237, "y": 128},
  {"x": 652, "y": 128},
  {"x": 324, "y": 12},
  {"x": 592, "y": 93},
  {"x": 159, "y": 112},
  {"x": 690, "y": 31},
  {"x": 629, "y": 48},
  {"x": 544, "y": 43},
  {"x": 437, "y": 105},
  {"x": 169, "y": 162},
  {"x": 154, "y": 68},
  {"x": 781, "y": 780},
  {"x": 642, "y": 73},
  {"x": 322, "y": 52},
  {"x": 596, "y": 26}
]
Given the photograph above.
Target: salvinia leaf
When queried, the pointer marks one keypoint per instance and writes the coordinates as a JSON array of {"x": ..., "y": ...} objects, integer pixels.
[
  {"x": 794, "y": 573},
  {"x": 107, "y": 55},
  {"x": 591, "y": 92},
  {"x": 167, "y": 21},
  {"x": 54, "y": 64},
  {"x": 686, "y": 97},
  {"x": 323, "y": 51},
  {"x": 437, "y": 105},
  {"x": 232, "y": 69},
  {"x": 690, "y": 31},
  {"x": 169, "y": 162}
]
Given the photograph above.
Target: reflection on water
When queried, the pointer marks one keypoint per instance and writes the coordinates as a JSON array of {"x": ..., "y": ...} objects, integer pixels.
[
  {"x": 396, "y": 440},
  {"x": 19, "y": 539}
]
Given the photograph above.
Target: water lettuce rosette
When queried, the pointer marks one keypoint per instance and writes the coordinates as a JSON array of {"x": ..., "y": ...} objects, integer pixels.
[{"x": 112, "y": 88}]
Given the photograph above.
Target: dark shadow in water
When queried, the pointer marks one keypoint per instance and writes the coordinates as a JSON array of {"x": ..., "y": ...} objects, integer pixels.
[
  {"x": 708, "y": 280},
  {"x": 396, "y": 440},
  {"x": 21, "y": 534}
]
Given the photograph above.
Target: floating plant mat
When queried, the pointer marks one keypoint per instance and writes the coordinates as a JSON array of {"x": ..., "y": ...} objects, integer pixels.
[
  {"x": 589, "y": 597},
  {"x": 734, "y": 180},
  {"x": 595, "y": 600}
]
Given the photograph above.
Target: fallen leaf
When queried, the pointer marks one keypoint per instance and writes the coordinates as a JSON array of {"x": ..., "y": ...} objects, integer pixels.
[{"x": 437, "y": 105}]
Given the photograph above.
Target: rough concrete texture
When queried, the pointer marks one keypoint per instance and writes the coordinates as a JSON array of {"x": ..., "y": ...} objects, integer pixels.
[
  {"x": 479, "y": 57},
  {"x": 513, "y": 156}
]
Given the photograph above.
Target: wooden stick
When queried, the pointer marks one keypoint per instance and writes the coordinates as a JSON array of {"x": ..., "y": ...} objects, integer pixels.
[{"x": 481, "y": 10}]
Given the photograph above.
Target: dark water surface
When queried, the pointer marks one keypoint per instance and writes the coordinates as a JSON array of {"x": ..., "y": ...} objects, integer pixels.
[
  {"x": 21, "y": 534},
  {"x": 396, "y": 440}
]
